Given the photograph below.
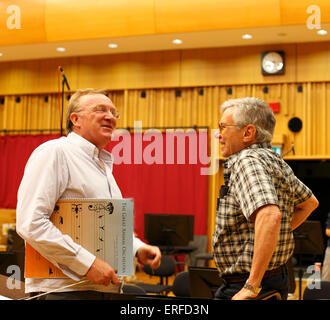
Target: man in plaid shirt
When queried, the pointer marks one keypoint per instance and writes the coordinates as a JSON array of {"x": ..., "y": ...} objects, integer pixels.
[{"x": 259, "y": 206}]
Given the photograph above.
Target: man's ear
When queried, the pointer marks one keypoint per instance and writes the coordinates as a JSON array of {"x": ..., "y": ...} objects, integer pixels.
[
  {"x": 249, "y": 133},
  {"x": 74, "y": 119}
]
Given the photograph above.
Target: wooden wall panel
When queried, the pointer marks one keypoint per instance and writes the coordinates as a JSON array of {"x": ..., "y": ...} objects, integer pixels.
[
  {"x": 233, "y": 65},
  {"x": 187, "y": 68},
  {"x": 102, "y": 71},
  {"x": 153, "y": 70},
  {"x": 313, "y": 62}
]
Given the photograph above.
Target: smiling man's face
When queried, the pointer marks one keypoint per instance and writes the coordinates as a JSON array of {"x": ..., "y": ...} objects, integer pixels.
[{"x": 95, "y": 121}]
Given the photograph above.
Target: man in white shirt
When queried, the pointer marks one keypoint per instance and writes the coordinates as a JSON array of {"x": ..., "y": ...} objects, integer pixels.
[{"x": 76, "y": 166}]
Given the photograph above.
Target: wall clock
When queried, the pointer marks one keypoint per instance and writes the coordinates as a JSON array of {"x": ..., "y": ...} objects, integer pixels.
[{"x": 272, "y": 62}]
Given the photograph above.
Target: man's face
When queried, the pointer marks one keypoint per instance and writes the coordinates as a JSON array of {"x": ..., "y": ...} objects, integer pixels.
[
  {"x": 230, "y": 137},
  {"x": 95, "y": 122}
]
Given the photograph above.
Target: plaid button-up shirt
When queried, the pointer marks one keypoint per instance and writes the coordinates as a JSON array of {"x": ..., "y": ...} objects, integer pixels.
[{"x": 254, "y": 177}]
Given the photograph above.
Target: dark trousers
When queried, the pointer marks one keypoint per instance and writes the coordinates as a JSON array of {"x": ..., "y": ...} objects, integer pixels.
[{"x": 277, "y": 282}]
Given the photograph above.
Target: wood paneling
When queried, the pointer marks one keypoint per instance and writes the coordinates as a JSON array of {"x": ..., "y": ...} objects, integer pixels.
[
  {"x": 233, "y": 65},
  {"x": 313, "y": 62},
  {"x": 194, "y": 106},
  {"x": 187, "y": 68}
]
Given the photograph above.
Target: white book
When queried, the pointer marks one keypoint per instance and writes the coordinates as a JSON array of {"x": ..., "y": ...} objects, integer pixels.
[{"x": 104, "y": 227}]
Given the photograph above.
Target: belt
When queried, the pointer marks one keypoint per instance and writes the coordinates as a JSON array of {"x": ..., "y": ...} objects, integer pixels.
[{"x": 242, "y": 277}]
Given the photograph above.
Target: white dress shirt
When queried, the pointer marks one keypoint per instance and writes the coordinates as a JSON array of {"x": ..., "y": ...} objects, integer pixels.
[{"x": 68, "y": 167}]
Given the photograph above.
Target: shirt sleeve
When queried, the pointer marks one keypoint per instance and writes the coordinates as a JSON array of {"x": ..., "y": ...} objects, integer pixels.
[
  {"x": 137, "y": 243},
  {"x": 300, "y": 191},
  {"x": 253, "y": 186},
  {"x": 45, "y": 179}
]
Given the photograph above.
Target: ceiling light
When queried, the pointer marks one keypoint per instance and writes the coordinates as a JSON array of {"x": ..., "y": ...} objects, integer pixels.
[
  {"x": 247, "y": 36},
  {"x": 177, "y": 41},
  {"x": 322, "y": 32},
  {"x": 113, "y": 45},
  {"x": 1, "y": 54},
  {"x": 60, "y": 49}
]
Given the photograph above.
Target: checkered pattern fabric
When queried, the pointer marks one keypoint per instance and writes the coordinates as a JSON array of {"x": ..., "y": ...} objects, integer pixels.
[{"x": 255, "y": 176}]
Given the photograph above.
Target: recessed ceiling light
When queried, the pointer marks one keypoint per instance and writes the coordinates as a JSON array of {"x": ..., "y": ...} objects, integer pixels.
[
  {"x": 60, "y": 49},
  {"x": 322, "y": 32},
  {"x": 247, "y": 36},
  {"x": 113, "y": 45},
  {"x": 177, "y": 41}
]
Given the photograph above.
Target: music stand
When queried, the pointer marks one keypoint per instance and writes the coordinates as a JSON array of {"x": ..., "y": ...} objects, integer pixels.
[
  {"x": 168, "y": 229},
  {"x": 171, "y": 233},
  {"x": 308, "y": 240}
]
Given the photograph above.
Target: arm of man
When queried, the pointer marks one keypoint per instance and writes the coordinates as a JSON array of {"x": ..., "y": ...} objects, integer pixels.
[
  {"x": 45, "y": 179},
  {"x": 302, "y": 211},
  {"x": 267, "y": 222}
]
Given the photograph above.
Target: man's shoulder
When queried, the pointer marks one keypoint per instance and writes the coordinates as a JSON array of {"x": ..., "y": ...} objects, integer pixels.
[
  {"x": 262, "y": 156},
  {"x": 51, "y": 145}
]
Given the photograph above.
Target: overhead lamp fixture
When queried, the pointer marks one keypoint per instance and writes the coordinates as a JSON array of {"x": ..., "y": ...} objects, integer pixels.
[
  {"x": 113, "y": 45},
  {"x": 60, "y": 49},
  {"x": 177, "y": 41},
  {"x": 322, "y": 32},
  {"x": 247, "y": 36}
]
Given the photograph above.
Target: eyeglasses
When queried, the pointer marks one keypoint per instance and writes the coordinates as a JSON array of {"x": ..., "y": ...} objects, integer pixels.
[
  {"x": 224, "y": 126},
  {"x": 101, "y": 109}
]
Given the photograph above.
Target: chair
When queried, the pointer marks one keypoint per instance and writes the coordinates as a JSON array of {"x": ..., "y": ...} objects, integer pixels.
[
  {"x": 200, "y": 242},
  {"x": 205, "y": 257},
  {"x": 181, "y": 285},
  {"x": 134, "y": 290},
  {"x": 166, "y": 269},
  {"x": 321, "y": 292}
]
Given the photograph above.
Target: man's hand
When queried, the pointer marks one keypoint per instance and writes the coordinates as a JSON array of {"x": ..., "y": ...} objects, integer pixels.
[
  {"x": 101, "y": 272},
  {"x": 244, "y": 294},
  {"x": 149, "y": 255}
]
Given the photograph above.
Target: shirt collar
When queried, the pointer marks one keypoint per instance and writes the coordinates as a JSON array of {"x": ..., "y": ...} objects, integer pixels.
[
  {"x": 232, "y": 159},
  {"x": 89, "y": 148}
]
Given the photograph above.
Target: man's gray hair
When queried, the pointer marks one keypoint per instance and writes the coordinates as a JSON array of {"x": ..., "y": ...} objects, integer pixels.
[{"x": 253, "y": 111}]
